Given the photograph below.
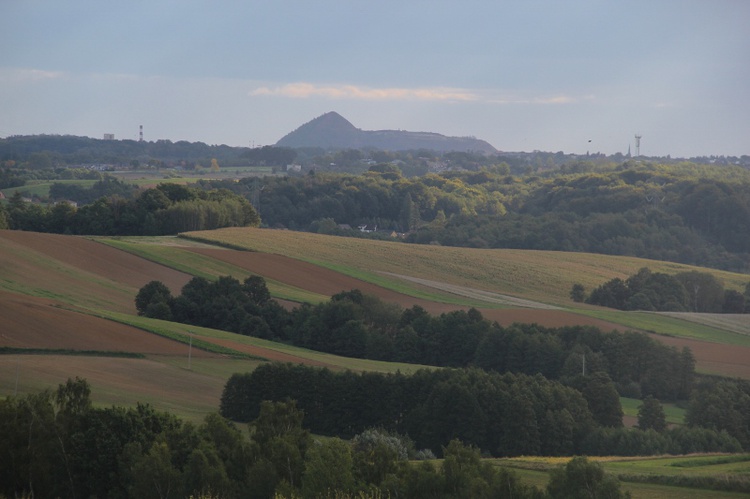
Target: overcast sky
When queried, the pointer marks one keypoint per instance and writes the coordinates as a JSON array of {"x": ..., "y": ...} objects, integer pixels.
[{"x": 562, "y": 75}]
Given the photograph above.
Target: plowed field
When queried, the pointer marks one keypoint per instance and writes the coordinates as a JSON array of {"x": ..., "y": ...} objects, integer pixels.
[{"x": 29, "y": 322}]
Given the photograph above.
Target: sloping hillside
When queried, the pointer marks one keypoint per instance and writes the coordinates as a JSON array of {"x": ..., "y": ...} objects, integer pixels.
[
  {"x": 54, "y": 291},
  {"x": 333, "y": 131}
]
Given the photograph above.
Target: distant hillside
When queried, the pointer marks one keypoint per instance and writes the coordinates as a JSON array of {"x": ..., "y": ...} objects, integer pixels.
[{"x": 333, "y": 131}]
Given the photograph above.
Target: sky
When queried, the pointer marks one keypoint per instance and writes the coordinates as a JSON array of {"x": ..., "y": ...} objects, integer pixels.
[{"x": 559, "y": 75}]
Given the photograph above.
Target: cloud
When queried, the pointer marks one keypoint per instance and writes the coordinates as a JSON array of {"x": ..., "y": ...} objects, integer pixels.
[
  {"x": 555, "y": 100},
  {"x": 26, "y": 75},
  {"x": 304, "y": 90},
  {"x": 354, "y": 92}
]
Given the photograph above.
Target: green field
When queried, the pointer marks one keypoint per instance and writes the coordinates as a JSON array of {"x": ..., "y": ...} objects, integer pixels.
[
  {"x": 543, "y": 276},
  {"x": 183, "y": 333},
  {"x": 160, "y": 250},
  {"x": 546, "y": 276},
  {"x": 654, "y": 477},
  {"x": 674, "y": 414}
]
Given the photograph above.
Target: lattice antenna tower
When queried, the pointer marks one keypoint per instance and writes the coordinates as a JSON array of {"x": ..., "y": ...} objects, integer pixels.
[
  {"x": 140, "y": 137},
  {"x": 638, "y": 144}
]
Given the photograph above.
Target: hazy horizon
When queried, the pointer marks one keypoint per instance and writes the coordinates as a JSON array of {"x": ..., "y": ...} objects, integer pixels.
[{"x": 572, "y": 76}]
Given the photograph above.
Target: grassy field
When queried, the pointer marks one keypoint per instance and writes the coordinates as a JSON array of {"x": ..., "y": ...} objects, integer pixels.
[
  {"x": 673, "y": 414},
  {"x": 160, "y": 250},
  {"x": 546, "y": 276},
  {"x": 543, "y": 276},
  {"x": 183, "y": 333},
  {"x": 647, "y": 477},
  {"x": 684, "y": 325},
  {"x": 101, "y": 280}
]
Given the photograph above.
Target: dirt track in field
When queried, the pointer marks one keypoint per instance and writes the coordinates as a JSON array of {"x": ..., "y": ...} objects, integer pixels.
[
  {"x": 312, "y": 277},
  {"x": 710, "y": 357}
]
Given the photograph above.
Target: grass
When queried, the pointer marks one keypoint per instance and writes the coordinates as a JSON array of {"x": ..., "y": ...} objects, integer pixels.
[
  {"x": 34, "y": 274},
  {"x": 183, "y": 332},
  {"x": 670, "y": 326},
  {"x": 653, "y": 477},
  {"x": 174, "y": 331},
  {"x": 59, "y": 351},
  {"x": 171, "y": 256},
  {"x": 546, "y": 276},
  {"x": 673, "y": 414}
]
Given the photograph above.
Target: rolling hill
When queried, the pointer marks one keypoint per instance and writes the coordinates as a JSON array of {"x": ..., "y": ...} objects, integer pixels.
[
  {"x": 333, "y": 131},
  {"x": 63, "y": 295}
]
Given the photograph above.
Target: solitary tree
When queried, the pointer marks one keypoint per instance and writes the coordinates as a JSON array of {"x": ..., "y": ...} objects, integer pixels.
[
  {"x": 578, "y": 293},
  {"x": 152, "y": 299},
  {"x": 585, "y": 480},
  {"x": 651, "y": 415}
]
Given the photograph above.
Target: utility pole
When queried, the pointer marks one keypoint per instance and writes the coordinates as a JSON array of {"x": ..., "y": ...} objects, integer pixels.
[{"x": 190, "y": 352}]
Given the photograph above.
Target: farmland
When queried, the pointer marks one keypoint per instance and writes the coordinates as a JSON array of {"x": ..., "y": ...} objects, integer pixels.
[
  {"x": 653, "y": 477},
  {"x": 67, "y": 308}
]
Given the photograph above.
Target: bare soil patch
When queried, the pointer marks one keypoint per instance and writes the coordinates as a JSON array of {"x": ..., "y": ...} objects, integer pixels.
[
  {"x": 714, "y": 358},
  {"x": 99, "y": 259},
  {"x": 29, "y": 322},
  {"x": 313, "y": 277},
  {"x": 266, "y": 353}
]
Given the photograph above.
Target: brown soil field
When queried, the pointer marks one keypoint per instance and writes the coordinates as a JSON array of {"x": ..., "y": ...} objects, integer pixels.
[
  {"x": 116, "y": 381},
  {"x": 710, "y": 357},
  {"x": 714, "y": 358},
  {"x": 312, "y": 277},
  {"x": 100, "y": 259},
  {"x": 77, "y": 270},
  {"x": 327, "y": 282},
  {"x": 29, "y": 322}
]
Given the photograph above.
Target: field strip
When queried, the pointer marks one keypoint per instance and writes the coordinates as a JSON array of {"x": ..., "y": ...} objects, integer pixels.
[
  {"x": 477, "y": 294},
  {"x": 737, "y": 323}
]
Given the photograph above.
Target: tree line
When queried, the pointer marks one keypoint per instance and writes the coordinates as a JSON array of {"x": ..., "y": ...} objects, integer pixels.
[
  {"x": 691, "y": 291},
  {"x": 681, "y": 212},
  {"x": 686, "y": 213},
  {"x": 356, "y": 325},
  {"x": 56, "y": 444},
  {"x": 165, "y": 209},
  {"x": 501, "y": 414},
  {"x": 44, "y": 151}
]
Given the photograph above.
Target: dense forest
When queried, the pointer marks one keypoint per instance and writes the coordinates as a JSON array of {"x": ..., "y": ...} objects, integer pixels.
[
  {"x": 356, "y": 325},
  {"x": 502, "y": 414},
  {"x": 56, "y": 444},
  {"x": 684, "y": 213},
  {"x": 689, "y": 212},
  {"x": 165, "y": 209}
]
